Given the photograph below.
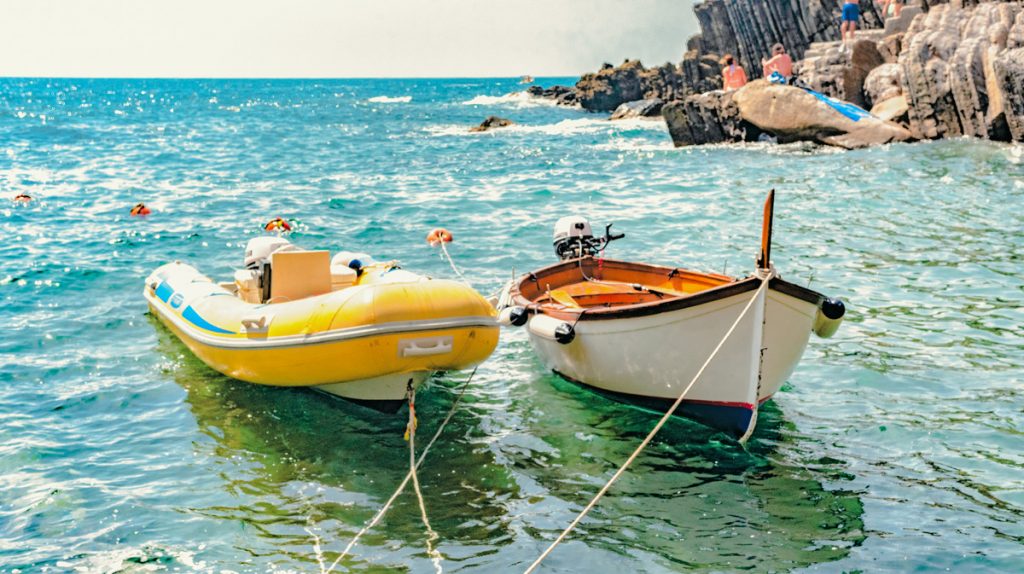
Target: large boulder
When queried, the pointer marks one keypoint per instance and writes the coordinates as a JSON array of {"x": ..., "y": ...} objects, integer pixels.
[
  {"x": 884, "y": 82},
  {"x": 611, "y": 86},
  {"x": 794, "y": 114},
  {"x": 890, "y": 47},
  {"x": 638, "y": 109},
  {"x": 893, "y": 109},
  {"x": 708, "y": 118}
]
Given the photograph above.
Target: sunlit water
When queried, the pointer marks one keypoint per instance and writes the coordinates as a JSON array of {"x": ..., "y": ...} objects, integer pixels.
[{"x": 897, "y": 445}]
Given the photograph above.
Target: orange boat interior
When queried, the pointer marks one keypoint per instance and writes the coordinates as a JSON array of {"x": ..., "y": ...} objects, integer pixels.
[{"x": 587, "y": 284}]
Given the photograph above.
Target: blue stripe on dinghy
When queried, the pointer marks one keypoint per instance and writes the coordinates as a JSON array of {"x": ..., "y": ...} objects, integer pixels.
[
  {"x": 164, "y": 291},
  {"x": 190, "y": 315}
]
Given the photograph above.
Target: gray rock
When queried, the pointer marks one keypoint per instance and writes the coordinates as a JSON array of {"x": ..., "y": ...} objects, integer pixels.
[
  {"x": 839, "y": 71},
  {"x": 883, "y": 83},
  {"x": 707, "y": 118},
  {"x": 890, "y": 47},
  {"x": 608, "y": 88},
  {"x": 491, "y": 123},
  {"x": 949, "y": 69},
  {"x": 611, "y": 87},
  {"x": 1008, "y": 69},
  {"x": 749, "y": 29},
  {"x": 792, "y": 114},
  {"x": 893, "y": 109},
  {"x": 638, "y": 109}
]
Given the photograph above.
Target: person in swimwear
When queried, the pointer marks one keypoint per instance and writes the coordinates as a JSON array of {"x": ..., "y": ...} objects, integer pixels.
[
  {"x": 780, "y": 62},
  {"x": 851, "y": 15},
  {"x": 733, "y": 76}
]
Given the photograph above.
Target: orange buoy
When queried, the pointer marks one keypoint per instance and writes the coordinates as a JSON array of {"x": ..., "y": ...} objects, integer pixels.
[
  {"x": 140, "y": 209},
  {"x": 439, "y": 236},
  {"x": 23, "y": 198},
  {"x": 277, "y": 224}
]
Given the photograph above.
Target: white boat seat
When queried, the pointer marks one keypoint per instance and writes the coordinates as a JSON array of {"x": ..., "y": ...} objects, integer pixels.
[{"x": 299, "y": 274}]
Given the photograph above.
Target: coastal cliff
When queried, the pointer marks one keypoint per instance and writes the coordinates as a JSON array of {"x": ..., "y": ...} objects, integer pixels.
[{"x": 943, "y": 69}]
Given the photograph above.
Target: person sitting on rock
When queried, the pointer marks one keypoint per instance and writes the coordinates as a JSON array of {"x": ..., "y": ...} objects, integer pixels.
[
  {"x": 733, "y": 76},
  {"x": 851, "y": 15},
  {"x": 780, "y": 62}
]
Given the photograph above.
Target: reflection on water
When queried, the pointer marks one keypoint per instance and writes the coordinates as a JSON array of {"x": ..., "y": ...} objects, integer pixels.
[{"x": 300, "y": 463}]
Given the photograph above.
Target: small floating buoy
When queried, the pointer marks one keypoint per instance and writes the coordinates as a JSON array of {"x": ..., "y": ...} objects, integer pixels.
[
  {"x": 438, "y": 236},
  {"x": 277, "y": 224},
  {"x": 22, "y": 198},
  {"x": 140, "y": 209}
]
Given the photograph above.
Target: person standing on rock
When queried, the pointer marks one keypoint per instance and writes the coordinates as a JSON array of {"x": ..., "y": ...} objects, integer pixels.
[
  {"x": 733, "y": 76},
  {"x": 851, "y": 15},
  {"x": 780, "y": 62}
]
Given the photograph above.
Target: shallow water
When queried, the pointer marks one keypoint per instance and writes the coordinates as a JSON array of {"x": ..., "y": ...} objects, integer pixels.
[{"x": 895, "y": 446}]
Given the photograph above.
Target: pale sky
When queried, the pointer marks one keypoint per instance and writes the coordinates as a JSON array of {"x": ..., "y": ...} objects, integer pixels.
[{"x": 336, "y": 38}]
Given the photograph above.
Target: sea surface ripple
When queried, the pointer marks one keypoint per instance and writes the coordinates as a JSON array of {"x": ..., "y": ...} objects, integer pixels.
[{"x": 896, "y": 445}]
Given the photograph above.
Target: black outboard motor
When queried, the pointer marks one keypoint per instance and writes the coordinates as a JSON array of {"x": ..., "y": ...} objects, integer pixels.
[{"x": 574, "y": 238}]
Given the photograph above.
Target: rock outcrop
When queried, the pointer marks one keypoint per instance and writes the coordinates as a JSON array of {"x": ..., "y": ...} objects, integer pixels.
[
  {"x": 793, "y": 114},
  {"x": 839, "y": 71},
  {"x": 944, "y": 68},
  {"x": 638, "y": 109},
  {"x": 749, "y": 29},
  {"x": 949, "y": 70},
  {"x": 1008, "y": 69},
  {"x": 612, "y": 86},
  {"x": 782, "y": 113},
  {"x": 708, "y": 118},
  {"x": 563, "y": 95},
  {"x": 882, "y": 83},
  {"x": 491, "y": 123}
]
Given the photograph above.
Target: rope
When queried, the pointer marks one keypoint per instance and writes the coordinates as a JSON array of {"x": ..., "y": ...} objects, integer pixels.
[
  {"x": 435, "y": 556},
  {"x": 387, "y": 505},
  {"x": 650, "y": 435},
  {"x": 451, "y": 262}
]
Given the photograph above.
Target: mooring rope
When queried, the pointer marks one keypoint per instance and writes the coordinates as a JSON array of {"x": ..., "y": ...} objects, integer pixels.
[
  {"x": 387, "y": 505},
  {"x": 435, "y": 556},
  {"x": 451, "y": 262},
  {"x": 650, "y": 435}
]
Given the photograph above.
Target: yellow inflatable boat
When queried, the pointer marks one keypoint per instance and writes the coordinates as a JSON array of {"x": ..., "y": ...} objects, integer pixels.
[{"x": 348, "y": 326}]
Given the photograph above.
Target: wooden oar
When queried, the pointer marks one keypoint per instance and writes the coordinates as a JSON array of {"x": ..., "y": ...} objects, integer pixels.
[{"x": 764, "y": 259}]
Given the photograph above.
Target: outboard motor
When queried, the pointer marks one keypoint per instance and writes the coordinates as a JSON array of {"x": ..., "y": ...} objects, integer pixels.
[{"x": 574, "y": 238}]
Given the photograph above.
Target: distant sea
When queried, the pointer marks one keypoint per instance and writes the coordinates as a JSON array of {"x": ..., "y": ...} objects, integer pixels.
[{"x": 895, "y": 446}]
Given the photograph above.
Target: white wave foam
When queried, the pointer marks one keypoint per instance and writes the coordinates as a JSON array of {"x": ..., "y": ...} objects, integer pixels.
[
  {"x": 390, "y": 99},
  {"x": 623, "y": 144},
  {"x": 562, "y": 128},
  {"x": 514, "y": 99}
]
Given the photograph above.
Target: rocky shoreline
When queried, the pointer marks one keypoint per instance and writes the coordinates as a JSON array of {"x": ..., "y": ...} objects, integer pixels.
[{"x": 943, "y": 69}]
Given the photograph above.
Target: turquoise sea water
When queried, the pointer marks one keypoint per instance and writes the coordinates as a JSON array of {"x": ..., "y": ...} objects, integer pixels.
[{"x": 896, "y": 446}]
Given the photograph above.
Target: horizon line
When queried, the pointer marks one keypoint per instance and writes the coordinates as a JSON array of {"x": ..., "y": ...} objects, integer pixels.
[{"x": 128, "y": 77}]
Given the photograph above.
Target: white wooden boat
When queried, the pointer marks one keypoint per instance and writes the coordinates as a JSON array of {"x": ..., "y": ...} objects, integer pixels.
[{"x": 641, "y": 332}]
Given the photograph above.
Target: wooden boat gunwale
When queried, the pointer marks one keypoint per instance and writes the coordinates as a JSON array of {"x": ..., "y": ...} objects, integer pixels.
[{"x": 732, "y": 287}]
